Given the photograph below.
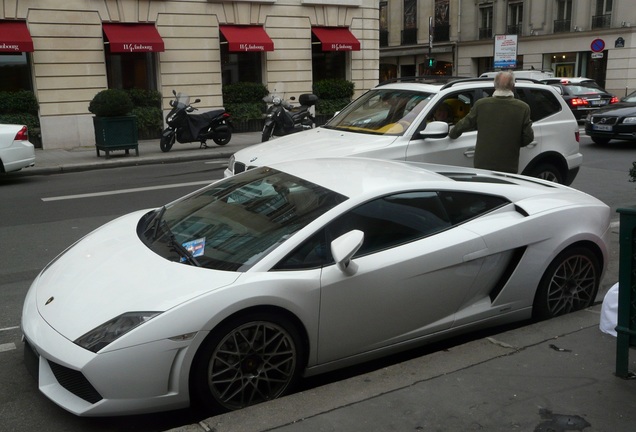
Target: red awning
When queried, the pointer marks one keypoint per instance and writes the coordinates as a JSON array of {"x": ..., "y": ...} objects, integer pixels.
[
  {"x": 133, "y": 37},
  {"x": 336, "y": 39},
  {"x": 15, "y": 37},
  {"x": 247, "y": 38}
]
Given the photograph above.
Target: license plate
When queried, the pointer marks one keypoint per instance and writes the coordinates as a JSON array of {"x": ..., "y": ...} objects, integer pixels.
[
  {"x": 606, "y": 128},
  {"x": 597, "y": 102}
]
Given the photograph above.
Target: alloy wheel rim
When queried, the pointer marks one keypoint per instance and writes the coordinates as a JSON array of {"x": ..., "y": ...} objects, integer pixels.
[
  {"x": 572, "y": 285},
  {"x": 253, "y": 363}
]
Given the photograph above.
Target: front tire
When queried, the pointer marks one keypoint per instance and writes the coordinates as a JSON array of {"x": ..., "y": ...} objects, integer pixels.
[
  {"x": 569, "y": 284},
  {"x": 268, "y": 132},
  {"x": 222, "y": 141},
  {"x": 250, "y": 359},
  {"x": 167, "y": 140}
]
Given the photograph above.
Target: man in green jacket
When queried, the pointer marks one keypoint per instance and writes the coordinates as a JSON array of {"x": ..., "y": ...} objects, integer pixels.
[{"x": 503, "y": 126}]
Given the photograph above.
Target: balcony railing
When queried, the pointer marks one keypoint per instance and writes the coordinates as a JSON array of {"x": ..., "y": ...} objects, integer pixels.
[
  {"x": 561, "y": 26},
  {"x": 485, "y": 33},
  {"x": 441, "y": 33},
  {"x": 384, "y": 38},
  {"x": 409, "y": 36},
  {"x": 601, "y": 21},
  {"x": 514, "y": 29}
]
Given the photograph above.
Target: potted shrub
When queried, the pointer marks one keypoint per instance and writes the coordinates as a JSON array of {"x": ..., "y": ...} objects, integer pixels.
[
  {"x": 244, "y": 102},
  {"x": 115, "y": 128},
  {"x": 333, "y": 95}
]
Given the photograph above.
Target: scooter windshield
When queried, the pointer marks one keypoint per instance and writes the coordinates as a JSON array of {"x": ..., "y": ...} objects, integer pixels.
[{"x": 182, "y": 99}]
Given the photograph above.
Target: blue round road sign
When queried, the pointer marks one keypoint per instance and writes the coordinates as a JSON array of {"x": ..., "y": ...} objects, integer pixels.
[{"x": 598, "y": 45}]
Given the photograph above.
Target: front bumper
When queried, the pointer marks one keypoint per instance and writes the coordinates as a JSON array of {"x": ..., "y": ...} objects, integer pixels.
[{"x": 144, "y": 378}]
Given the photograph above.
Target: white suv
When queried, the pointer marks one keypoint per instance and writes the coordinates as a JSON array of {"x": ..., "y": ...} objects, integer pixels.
[{"x": 396, "y": 121}]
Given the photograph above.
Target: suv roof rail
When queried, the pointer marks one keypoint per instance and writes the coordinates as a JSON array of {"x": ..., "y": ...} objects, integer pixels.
[
  {"x": 424, "y": 79},
  {"x": 477, "y": 79}
]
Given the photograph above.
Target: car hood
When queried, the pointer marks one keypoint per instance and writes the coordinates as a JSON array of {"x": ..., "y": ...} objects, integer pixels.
[
  {"x": 618, "y": 109},
  {"x": 110, "y": 272},
  {"x": 318, "y": 142}
]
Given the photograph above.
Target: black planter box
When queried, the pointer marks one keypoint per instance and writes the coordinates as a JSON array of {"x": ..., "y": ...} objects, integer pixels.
[{"x": 116, "y": 133}]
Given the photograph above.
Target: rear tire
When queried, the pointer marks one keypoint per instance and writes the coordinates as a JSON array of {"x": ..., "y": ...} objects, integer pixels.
[
  {"x": 600, "y": 141},
  {"x": 570, "y": 283},
  {"x": 268, "y": 132},
  {"x": 167, "y": 140},
  {"x": 546, "y": 171},
  {"x": 248, "y": 360},
  {"x": 222, "y": 141}
]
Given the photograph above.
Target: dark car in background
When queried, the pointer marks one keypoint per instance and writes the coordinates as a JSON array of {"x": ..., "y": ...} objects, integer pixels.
[
  {"x": 615, "y": 122},
  {"x": 582, "y": 95}
]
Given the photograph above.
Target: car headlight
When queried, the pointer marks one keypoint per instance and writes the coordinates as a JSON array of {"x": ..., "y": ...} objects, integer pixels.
[
  {"x": 629, "y": 120},
  {"x": 112, "y": 330}
]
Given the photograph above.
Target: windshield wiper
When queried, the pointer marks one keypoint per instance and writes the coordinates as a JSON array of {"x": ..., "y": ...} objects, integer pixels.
[{"x": 175, "y": 246}]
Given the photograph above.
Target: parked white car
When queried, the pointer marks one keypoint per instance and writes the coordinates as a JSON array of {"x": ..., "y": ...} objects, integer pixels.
[
  {"x": 16, "y": 152},
  {"x": 395, "y": 121},
  {"x": 227, "y": 296}
]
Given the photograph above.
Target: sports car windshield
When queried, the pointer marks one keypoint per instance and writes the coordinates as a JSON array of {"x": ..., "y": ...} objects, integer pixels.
[
  {"x": 232, "y": 224},
  {"x": 381, "y": 112}
]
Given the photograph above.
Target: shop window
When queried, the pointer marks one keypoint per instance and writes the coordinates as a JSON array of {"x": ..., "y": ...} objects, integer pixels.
[
  {"x": 327, "y": 64},
  {"x": 15, "y": 71},
  {"x": 240, "y": 66},
  {"x": 131, "y": 70}
]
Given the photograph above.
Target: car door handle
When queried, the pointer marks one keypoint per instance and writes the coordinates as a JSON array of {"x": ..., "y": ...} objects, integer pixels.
[
  {"x": 532, "y": 144},
  {"x": 470, "y": 152}
]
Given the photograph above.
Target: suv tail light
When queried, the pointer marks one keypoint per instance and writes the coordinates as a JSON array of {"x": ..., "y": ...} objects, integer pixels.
[
  {"x": 614, "y": 99},
  {"x": 22, "y": 135},
  {"x": 577, "y": 135},
  {"x": 575, "y": 102}
]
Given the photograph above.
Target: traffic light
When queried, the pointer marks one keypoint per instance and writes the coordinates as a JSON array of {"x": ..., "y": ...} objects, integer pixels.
[{"x": 431, "y": 62}]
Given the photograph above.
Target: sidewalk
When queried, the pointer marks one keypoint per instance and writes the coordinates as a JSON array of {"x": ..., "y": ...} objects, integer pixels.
[{"x": 85, "y": 158}]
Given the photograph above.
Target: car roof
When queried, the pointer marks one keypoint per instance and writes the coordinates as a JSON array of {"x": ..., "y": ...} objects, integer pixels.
[
  {"x": 435, "y": 87},
  {"x": 568, "y": 80}
]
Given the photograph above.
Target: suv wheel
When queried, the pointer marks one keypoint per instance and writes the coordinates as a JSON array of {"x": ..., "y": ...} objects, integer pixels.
[{"x": 546, "y": 171}]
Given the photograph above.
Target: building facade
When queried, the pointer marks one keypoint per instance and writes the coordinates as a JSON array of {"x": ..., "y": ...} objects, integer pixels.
[
  {"x": 592, "y": 38},
  {"x": 66, "y": 52}
]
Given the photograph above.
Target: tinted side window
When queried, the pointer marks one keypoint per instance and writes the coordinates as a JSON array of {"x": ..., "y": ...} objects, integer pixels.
[
  {"x": 542, "y": 103},
  {"x": 462, "y": 206},
  {"x": 393, "y": 220},
  {"x": 386, "y": 222}
]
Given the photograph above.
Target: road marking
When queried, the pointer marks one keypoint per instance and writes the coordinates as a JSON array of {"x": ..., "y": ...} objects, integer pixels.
[
  {"x": 7, "y": 347},
  {"x": 124, "y": 191},
  {"x": 9, "y": 328}
]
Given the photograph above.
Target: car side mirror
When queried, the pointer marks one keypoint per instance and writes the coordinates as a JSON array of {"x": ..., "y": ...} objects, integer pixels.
[
  {"x": 344, "y": 248},
  {"x": 436, "y": 129}
]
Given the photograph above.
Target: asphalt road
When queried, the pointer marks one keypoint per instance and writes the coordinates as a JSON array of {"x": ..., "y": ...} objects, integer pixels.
[{"x": 41, "y": 215}]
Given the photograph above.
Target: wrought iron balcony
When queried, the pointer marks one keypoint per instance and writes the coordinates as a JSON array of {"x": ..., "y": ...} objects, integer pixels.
[
  {"x": 601, "y": 21},
  {"x": 485, "y": 33},
  {"x": 561, "y": 26},
  {"x": 514, "y": 29},
  {"x": 409, "y": 36},
  {"x": 441, "y": 33}
]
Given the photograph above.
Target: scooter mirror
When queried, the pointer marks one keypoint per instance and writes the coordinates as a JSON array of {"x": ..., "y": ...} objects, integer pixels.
[{"x": 197, "y": 100}]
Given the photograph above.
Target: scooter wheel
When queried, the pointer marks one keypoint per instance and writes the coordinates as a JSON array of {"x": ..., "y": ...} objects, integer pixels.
[
  {"x": 166, "y": 142},
  {"x": 224, "y": 140},
  {"x": 268, "y": 132}
]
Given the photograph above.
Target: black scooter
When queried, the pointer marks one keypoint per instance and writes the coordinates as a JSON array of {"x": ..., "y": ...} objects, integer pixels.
[
  {"x": 283, "y": 118},
  {"x": 185, "y": 127}
]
